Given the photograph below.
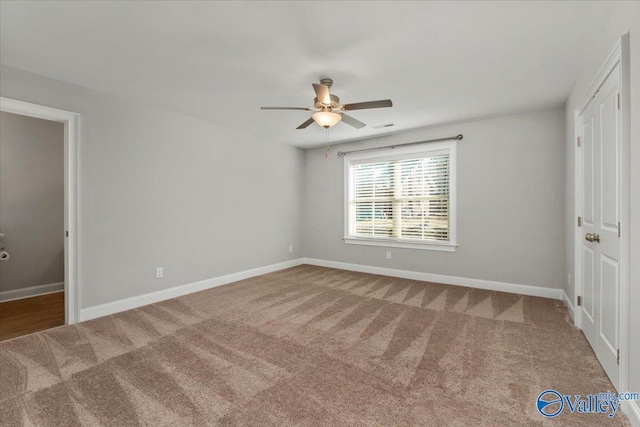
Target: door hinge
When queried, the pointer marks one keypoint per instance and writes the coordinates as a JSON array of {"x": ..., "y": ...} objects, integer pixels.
[
  {"x": 579, "y": 301},
  {"x": 618, "y": 228},
  {"x": 618, "y": 358},
  {"x": 66, "y": 234},
  {"x": 618, "y": 101},
  {"x": 579, "y": 221},
  {"x": 578, "y": 141}
]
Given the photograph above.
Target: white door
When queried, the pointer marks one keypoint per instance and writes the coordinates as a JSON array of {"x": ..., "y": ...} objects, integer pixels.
[{"x": 600, "y": 243}]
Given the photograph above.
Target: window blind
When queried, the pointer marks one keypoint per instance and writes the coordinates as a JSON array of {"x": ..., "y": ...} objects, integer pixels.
[{"x": 401, "y": 198}]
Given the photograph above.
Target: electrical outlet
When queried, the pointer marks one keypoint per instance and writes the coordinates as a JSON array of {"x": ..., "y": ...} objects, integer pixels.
[
  {"x": 569, "y": 280},
  {"x": 290, "y": 248},
  {"x": 388, "y": 254},
  {"x": 159, "y": 273}
]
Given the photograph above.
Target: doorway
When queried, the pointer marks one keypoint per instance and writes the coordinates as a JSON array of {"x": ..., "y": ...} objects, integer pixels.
[
  {"x": 39, "y": 266},
  {"x": 601, "y": 246},
  {"x": 31, "y": 224}
]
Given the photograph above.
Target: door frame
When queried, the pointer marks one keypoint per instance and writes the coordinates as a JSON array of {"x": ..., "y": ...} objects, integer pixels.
[
  {"x": 619, "y": 55},
  {"x": 71, "y": 123}
]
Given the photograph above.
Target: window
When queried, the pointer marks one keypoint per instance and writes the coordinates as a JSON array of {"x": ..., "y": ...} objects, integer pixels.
[{"x": 403, "y": 197}]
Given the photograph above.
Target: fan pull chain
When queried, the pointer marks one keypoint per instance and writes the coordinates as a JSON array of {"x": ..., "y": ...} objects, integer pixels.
[{"x": 326, "y": 141}]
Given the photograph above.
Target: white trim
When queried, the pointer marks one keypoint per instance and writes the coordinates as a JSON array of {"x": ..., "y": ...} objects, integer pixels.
[
  {"x": 577, "y": 204},
  {"x": 31, "y": 291},
  {"x": 625, "y": 220},
  {"x": 146, "y": 299},
  {"x": 450, "y": 148},
  {"x": 536, "y": 291},
  {"x": 389, "y": 243},
  {"x": 71, "y": 181},
  {"x": 570, "y": 307},
  {"x": 141, "y": 300},
  {"x": 632, "y": 411}
]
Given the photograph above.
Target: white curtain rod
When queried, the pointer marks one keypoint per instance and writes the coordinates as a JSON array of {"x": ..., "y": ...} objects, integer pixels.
[{"x": 449, "y": 138}]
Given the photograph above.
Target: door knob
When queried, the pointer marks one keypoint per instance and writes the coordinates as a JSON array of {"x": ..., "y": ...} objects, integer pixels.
[{"x": 592, "y": 237}]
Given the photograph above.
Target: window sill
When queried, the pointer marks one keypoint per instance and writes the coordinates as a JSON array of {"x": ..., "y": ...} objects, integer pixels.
[{"x": 442, "y": 247}]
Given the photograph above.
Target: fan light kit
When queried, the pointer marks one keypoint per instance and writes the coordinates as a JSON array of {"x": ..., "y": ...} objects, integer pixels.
[
  {"x": 326, "y": 119},
  {"x": 328, "y": 110}
]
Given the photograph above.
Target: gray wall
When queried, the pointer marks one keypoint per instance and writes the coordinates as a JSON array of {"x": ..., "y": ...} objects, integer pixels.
[
  {"x": 158, "y": 189},
  {"x": 625, "y": 18},
  {"x": 510, "y": 203},
  {"x": 31, "y": 201}
]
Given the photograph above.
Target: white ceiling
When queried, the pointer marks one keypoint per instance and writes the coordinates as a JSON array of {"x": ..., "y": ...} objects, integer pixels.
[{"x": 440, "y": 62}]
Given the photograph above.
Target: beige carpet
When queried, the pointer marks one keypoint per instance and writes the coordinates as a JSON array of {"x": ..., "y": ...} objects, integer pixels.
[{"x": 306, "y": 346}]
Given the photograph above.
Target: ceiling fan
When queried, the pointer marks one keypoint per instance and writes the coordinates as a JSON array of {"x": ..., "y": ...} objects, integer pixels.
[{"x": 328, "y": 109}]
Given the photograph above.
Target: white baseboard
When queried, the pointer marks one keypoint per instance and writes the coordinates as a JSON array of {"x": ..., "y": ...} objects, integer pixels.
[
  {"x": 32, "y": 291},
  {"x": 570, "y": 307},
  {"x": 536, "y": 291},
  {"x": 140, "y": 300},
  {"x": 632, "y": 411}
]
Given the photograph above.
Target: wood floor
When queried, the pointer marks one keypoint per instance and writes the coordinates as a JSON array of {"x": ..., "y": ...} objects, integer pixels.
[{"x": 28, "y": 315}]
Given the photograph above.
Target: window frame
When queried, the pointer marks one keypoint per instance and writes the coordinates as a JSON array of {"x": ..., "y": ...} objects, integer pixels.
[{"x": 427, "y": 149}]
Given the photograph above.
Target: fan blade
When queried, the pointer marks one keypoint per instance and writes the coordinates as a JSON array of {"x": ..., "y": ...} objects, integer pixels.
[
  {"x": 305, "y": 124},
  {"x": 371, "y": 104},
  {"x": 352, "y": 122},
  {"x": 285, "y": 108},
  {"x": 322, "y": 92}
]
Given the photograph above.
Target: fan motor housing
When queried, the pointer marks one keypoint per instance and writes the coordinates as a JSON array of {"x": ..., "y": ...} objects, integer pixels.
[{"x": 335, "y": 103}]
